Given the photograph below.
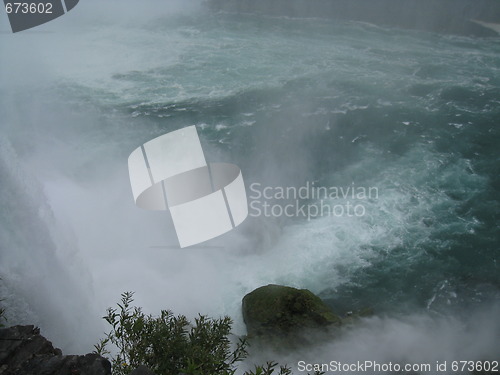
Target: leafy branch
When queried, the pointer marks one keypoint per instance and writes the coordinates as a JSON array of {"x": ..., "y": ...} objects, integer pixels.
[{"x": 171, "y": 345}]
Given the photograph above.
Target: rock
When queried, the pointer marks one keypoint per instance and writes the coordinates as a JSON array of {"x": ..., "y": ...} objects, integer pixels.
[
  {"x": 89, "y": 364},
  {"x": 19, "y": 344},
  {"x": 23, "y": 351},
  {"x": 282, "y": 311}
]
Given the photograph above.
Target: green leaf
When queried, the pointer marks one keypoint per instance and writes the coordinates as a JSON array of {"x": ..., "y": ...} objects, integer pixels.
[{"x": 169, "y": 344}]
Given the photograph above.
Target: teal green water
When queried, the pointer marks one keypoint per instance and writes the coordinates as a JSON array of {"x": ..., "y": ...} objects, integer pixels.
[{"x": 413, "y": 114}]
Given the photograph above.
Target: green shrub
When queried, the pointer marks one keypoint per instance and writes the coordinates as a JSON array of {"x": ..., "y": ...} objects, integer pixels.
[{"x": 171, "y": 345}]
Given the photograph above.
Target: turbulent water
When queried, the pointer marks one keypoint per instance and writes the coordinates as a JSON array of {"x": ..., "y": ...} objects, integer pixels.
[{"x": 294, "y": 102}]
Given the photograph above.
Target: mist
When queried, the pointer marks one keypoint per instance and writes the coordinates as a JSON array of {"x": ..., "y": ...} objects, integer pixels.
[
  {"x": 66, "y": 200},
  {"x": 79, "y": 94},
  {"x": 416, "y": 339}
]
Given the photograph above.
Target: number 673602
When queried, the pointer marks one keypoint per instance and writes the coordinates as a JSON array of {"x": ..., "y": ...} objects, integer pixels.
[{"x": 28, "y": 8}]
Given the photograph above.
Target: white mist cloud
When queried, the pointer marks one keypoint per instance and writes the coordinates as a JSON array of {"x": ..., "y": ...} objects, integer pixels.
[{"x": 414, "y": 339}]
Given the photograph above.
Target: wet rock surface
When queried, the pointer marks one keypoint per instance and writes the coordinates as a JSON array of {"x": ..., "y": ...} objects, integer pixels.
[
  {"x": 282, "y": 311},
  {"x": 24, "y": 351}
]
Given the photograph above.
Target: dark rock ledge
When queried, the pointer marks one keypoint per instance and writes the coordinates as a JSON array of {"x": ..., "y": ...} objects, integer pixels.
[{"x": 23, "y": 351}]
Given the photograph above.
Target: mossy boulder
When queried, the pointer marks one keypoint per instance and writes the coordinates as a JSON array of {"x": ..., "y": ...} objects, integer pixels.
[{"x": 281, "y": 311}]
